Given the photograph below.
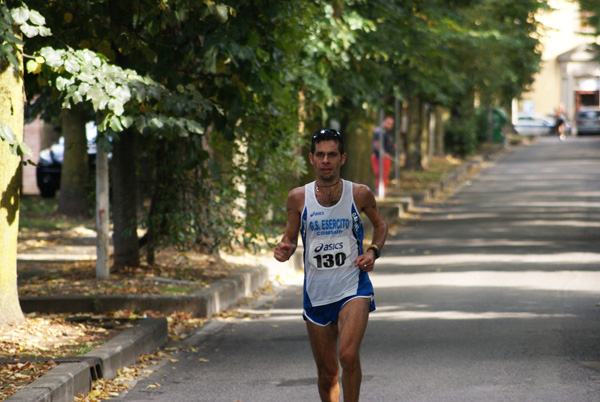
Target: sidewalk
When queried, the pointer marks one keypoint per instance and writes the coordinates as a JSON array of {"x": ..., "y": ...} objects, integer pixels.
[
  {"x": 62, "y": 383},
  {"x": 68, "y": 379}
]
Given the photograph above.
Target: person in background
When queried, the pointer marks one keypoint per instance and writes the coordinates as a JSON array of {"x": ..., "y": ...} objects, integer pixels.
[
  {"x": 384, "y": 131},
  {"x": 559, "y": 123},
  {"x": 338, "y": 294}
]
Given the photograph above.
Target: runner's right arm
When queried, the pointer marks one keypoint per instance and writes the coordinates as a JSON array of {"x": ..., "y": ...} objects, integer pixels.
[{"x": 288, "y": 244}]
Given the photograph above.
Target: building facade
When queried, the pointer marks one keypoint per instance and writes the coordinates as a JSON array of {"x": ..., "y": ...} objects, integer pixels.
[{"x": 569, "y": 76}]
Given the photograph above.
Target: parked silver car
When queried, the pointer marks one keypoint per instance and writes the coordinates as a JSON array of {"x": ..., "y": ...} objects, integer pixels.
[
  {"x": 588, "y": 120},
  {"x": 528, "y": 124}
]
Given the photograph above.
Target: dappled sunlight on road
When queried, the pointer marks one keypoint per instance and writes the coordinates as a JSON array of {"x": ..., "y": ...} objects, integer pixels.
[
  {"x": 260, "y": 315},
  {"x": 398, "y": 313},
  {"x": 579, "y": 281},
  {"x": 464, "y": 216},
  {"x": 531, "y": 181},
  {"x": 402, "y": 312},
  {"x": 568, "y": 205},
  {"x": 453, "y": 259},
  {"x": 579, "y": 224},
  {"x": 457, "y": 216},
  {"x": 480, "y": 242}
]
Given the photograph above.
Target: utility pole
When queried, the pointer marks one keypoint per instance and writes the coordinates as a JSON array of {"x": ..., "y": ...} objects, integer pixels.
[
  {"x": 102, "y": 212},
  {"x": 397, "y": 126},
  {"x": 381, "y": 189}
]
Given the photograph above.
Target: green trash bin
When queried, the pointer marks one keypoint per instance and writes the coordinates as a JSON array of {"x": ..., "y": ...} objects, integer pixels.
[{"x": 499, "y": 119}]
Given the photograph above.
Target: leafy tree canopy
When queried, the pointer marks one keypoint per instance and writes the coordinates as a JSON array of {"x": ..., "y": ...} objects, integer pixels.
[{"x": 221, "y": 86}]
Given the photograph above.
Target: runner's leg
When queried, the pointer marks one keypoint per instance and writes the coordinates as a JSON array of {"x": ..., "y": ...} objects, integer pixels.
[
  {"x": 323, "y": 342},
  {"x": 352, "y": 323}
]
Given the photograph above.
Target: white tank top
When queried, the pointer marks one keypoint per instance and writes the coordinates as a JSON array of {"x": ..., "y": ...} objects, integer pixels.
[{"x": 332, "y": 238}]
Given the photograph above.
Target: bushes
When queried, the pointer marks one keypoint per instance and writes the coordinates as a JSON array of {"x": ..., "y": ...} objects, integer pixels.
[{"x": 460, "y": 135}]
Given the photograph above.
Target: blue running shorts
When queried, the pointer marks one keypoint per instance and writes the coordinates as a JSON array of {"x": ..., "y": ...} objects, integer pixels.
[{"x": 327, "y": 314}]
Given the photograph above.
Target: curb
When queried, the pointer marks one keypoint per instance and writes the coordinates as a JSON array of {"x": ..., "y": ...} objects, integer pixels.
[
  {"x": 203, "y": 303},
  {"x": 65, "y": 381}
]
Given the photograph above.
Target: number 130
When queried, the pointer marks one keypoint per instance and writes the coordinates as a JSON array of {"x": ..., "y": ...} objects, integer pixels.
[{"x": 329, "y": 260}]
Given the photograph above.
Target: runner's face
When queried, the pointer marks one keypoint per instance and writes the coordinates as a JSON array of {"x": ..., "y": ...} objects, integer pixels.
[{"x": 327, "y": 160}]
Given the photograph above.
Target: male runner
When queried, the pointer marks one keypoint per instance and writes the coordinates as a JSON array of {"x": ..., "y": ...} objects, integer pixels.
[{"x": 338, "y": 294}]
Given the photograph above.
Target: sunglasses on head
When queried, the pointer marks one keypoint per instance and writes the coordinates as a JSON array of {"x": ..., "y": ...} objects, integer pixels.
[{"x": 326, "y": 132}]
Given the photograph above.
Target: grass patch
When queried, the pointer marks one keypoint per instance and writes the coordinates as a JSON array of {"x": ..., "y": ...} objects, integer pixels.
[
  {"x": 35, "y": 205},
  {"x": 412, "y": 182},
  {"x": 39, "y": 214}
]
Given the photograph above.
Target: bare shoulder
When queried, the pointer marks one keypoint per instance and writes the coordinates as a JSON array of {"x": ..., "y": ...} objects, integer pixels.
[
  {"x": 295, "y": 199},
  {"x": 364, "y": 199},
  {"x": 363, "y": 196}
]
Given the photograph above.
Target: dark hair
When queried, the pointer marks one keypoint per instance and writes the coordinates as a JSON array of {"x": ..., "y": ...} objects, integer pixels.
[{"x": 327, "y": 134}]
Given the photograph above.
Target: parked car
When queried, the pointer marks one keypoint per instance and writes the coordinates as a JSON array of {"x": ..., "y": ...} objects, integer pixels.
[
  {"x": 51, "y": 159},
  {"x": 588, "y": 120},
  {"x": 533, "y": 125},
  {"x": 48, "y": 169}
]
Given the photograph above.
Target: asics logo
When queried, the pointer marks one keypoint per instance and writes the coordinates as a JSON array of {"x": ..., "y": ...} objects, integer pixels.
[{"x": 329, "y": 247}]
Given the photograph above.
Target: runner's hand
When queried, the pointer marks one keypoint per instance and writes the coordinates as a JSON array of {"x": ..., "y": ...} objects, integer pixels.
[
  {"x": 366, "y": 261},
  {"x": 283, "y": 251}
]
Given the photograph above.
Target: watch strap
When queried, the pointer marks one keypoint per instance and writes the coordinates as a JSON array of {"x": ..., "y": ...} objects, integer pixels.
[{"x": 375, "y": 250}]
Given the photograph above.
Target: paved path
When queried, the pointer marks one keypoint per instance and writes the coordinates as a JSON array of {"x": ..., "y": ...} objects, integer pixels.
[{"x": 491, "y": 296}]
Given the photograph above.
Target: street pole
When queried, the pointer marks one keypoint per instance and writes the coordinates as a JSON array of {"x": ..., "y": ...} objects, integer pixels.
[
  {"x": 381, "y": 189},
  {"x": 397, "y": 142},
  {"x": 102, "y": 213}
]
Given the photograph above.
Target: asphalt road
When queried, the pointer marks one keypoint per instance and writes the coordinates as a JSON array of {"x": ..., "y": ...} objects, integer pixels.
[{"x": 492, "y": 295}]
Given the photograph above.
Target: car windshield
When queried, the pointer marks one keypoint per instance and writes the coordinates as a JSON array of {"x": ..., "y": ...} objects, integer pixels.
[{"x": 589, "y": 114}]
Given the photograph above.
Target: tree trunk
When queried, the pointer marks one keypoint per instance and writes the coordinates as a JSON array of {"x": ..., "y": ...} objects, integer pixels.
[
  {"x": 75, "y": 175},
  {"x": 357, "y": 144},
  {"x": 155, "y": 220},
  {"x": 11, "y": 115},
  {"x": 413, "y": 135},
  {"x": 425, "y": 139},
  {"x": 124, "y": 205},
  {"x": 439, "y": 131},
  {"x": 49, "y": 135}
]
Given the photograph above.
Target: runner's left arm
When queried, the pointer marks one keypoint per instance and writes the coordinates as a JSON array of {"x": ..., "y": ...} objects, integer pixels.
[{"x": 366, "y": 202}]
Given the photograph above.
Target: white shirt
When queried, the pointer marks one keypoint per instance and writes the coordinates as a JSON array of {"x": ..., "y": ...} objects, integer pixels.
[{"x": 332, "y": 238}]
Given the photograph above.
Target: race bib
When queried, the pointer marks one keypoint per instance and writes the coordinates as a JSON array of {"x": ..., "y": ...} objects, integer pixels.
[{"x": 330, "y": 253}]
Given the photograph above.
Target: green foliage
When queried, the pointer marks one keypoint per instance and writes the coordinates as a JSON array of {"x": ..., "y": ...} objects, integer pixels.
[
  {"x": 592, "y": 9},
  {"x": 217, "y": 90},
  {"x": 591, "y": 13},
  {"x": 16, "y": 147},
  {"x": 83, "y": 75},
  {"x": 481, "y": 124},
  {"x": 13, "y": 23},
  {"x": 460, "y": 135},
  {"x": 335, "y": 64}
]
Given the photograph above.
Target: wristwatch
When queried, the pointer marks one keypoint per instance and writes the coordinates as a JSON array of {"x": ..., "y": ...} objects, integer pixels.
[{"x": 375, "y": 250}]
